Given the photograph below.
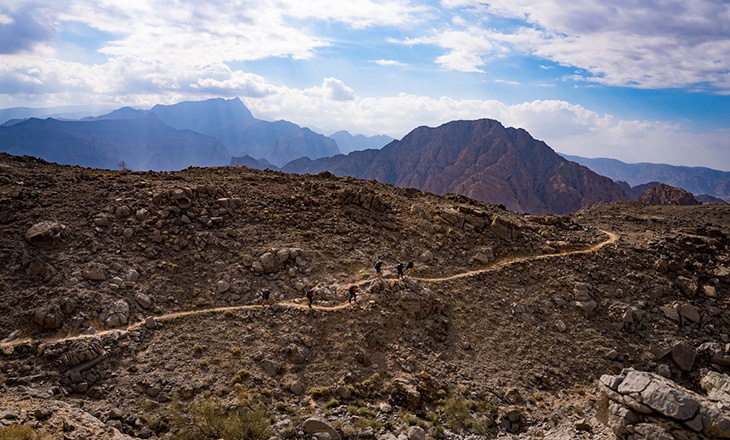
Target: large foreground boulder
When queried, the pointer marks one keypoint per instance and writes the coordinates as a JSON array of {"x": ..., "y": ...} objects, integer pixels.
[
  {"x": 639, "y": 405},
  {"x": 46, "y": 234}
]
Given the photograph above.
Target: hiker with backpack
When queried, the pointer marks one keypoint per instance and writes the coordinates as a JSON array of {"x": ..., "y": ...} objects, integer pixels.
[
  {"x": 410, "y": 267},
  {"x": 310, "y": 296},
  {"x": 353, "y": 294},
  {"x": 266, "y": 294},
  {"x": 378, "y": 269},
  {"x": 399, "y": 268}
]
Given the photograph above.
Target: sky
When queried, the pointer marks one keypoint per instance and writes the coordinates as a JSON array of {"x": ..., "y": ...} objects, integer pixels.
[{"x": 635, "y": 80}]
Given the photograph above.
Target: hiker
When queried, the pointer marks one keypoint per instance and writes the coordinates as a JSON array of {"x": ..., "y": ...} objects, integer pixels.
[
  {"x": 399, "y": 268},
  {"x": 410, "y": 266},
  {"x": 266, "y": 294},
  {"x": 378, "y": 269},
  {"x": 310, "y": 296},
  {"x": 353, "y": 294}
]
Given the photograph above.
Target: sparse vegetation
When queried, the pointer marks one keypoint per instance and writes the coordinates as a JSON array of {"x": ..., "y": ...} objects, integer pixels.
[
  {"x": 21, "y": 432},
  {"x": 468, "y": 415},
  {"x": 209, "y": 419},
  {"x": 320, "y": 393}
]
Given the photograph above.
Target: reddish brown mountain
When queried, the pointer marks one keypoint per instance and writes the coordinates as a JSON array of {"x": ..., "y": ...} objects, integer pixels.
[
  {"x": 481, "y": 159},
  {"x": 663, "y": 194}
]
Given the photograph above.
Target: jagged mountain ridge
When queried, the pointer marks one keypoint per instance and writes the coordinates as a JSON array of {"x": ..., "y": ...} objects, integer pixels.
[
  {"x": 481, "y": 159},
  {"x": 697, "y": 180},
  {"x": 230, "y": 121},
  {"x": 349, "y": 143}
]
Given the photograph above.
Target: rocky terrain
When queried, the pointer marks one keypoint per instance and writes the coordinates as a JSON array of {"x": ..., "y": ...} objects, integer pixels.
[
  {"x": 131, "y": 310},
  {"x": 480, "y": 159},
  {"x": 663, "y": 194}
]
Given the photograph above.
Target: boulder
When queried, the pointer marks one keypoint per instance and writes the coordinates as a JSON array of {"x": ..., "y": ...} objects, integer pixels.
[
  {"x": 142, "y": 214},
  {"x": 132, "y": 276},
  {"x": 416, "y": 433},
  {"x": 118, "y": 314},
  {"x": 143, "y": 300},
  {"x": 271, "y": 367},
  {"x": 296, "y": 388},
  {"x": 282, "y": 255},
  {"x": 683, "y": 355},
  {"x": 504, "y": 228},
  {"x": 180, "y": 197},
  {"x": 687, "y": 286},
  {"x": 314, "y": 425},
  {"x": 690, "y": 312},
  {"x": 426, "y": 257},
  {"x": 343, "y": 392},
  {"x": 46, "y": 234},
  {"x": 49, "y": 316},
  {"x": 268, "y": 262},
  {"x": 94, "y": 272},
  {"x": 122, "y": 212},
  {"x": 150, "y": 323},
  {"x": 642, "y": 406},
  {"x": 101, "y": 220},
  {"x": 587, "y": 307}
]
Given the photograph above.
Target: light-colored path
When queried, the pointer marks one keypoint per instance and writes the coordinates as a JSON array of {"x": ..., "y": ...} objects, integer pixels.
[{"x": 612, "y": 238}]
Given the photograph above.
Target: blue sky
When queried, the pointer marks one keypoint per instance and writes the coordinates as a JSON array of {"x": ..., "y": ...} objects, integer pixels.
[{"x": 635, "y": 80}]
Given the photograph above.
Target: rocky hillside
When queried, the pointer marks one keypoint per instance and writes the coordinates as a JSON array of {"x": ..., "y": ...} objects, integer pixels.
[
  {"x": 131, "y": 309},
  {"x": 667, "y": 195},
  {"x": 480, "y": 159}
]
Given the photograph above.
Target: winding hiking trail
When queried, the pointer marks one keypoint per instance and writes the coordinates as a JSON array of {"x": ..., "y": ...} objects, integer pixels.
[{"x": 612, "y": 238}]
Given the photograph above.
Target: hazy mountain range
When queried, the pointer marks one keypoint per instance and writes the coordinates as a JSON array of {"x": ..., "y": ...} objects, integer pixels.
[
  {"x": 141, "y": 144},
  {"x": 697, "y": 180},
  {"x": 481, "y": 159},
  {"x": 228, "y": 120},
  {"x": 349, "y": 143}
]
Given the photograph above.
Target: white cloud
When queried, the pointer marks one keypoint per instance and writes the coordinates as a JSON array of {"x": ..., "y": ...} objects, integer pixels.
[
  {"x": 621, "y": 43},
  {"x": 467, "y": 49},
  {"x": 389, "y": 63},
  {"x": 337, "y": 90},
  {"x": 566, "y": 127},
  {"x": 506, "y": 81}
]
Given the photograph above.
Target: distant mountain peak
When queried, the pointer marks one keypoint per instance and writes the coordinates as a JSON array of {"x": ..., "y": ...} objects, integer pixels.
[
  {"x": 233, "y": 124},
  {"x": 349, "y": 143},
  {"x": 480, "y": 159}
]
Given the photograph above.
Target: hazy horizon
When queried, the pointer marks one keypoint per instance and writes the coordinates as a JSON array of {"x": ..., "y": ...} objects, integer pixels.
[{"x": 635, "y": 81}]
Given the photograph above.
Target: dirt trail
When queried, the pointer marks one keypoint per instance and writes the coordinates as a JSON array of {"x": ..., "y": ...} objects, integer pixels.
[{"x": 612, "y": 238}]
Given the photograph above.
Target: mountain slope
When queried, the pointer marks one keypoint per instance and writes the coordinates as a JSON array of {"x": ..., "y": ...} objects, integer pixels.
[
  {"x": 481, "y": 159},
  {"x": 697, "y": 180},
  {"x": 348, "y": 143},
  {"x": 663, "y": 194},
  {"x": 233, "y": 124},
  {"x": 142, "y": 144}
]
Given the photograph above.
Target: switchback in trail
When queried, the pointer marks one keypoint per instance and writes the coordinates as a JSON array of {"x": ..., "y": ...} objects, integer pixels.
[{"x": 612, "y": 238}]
